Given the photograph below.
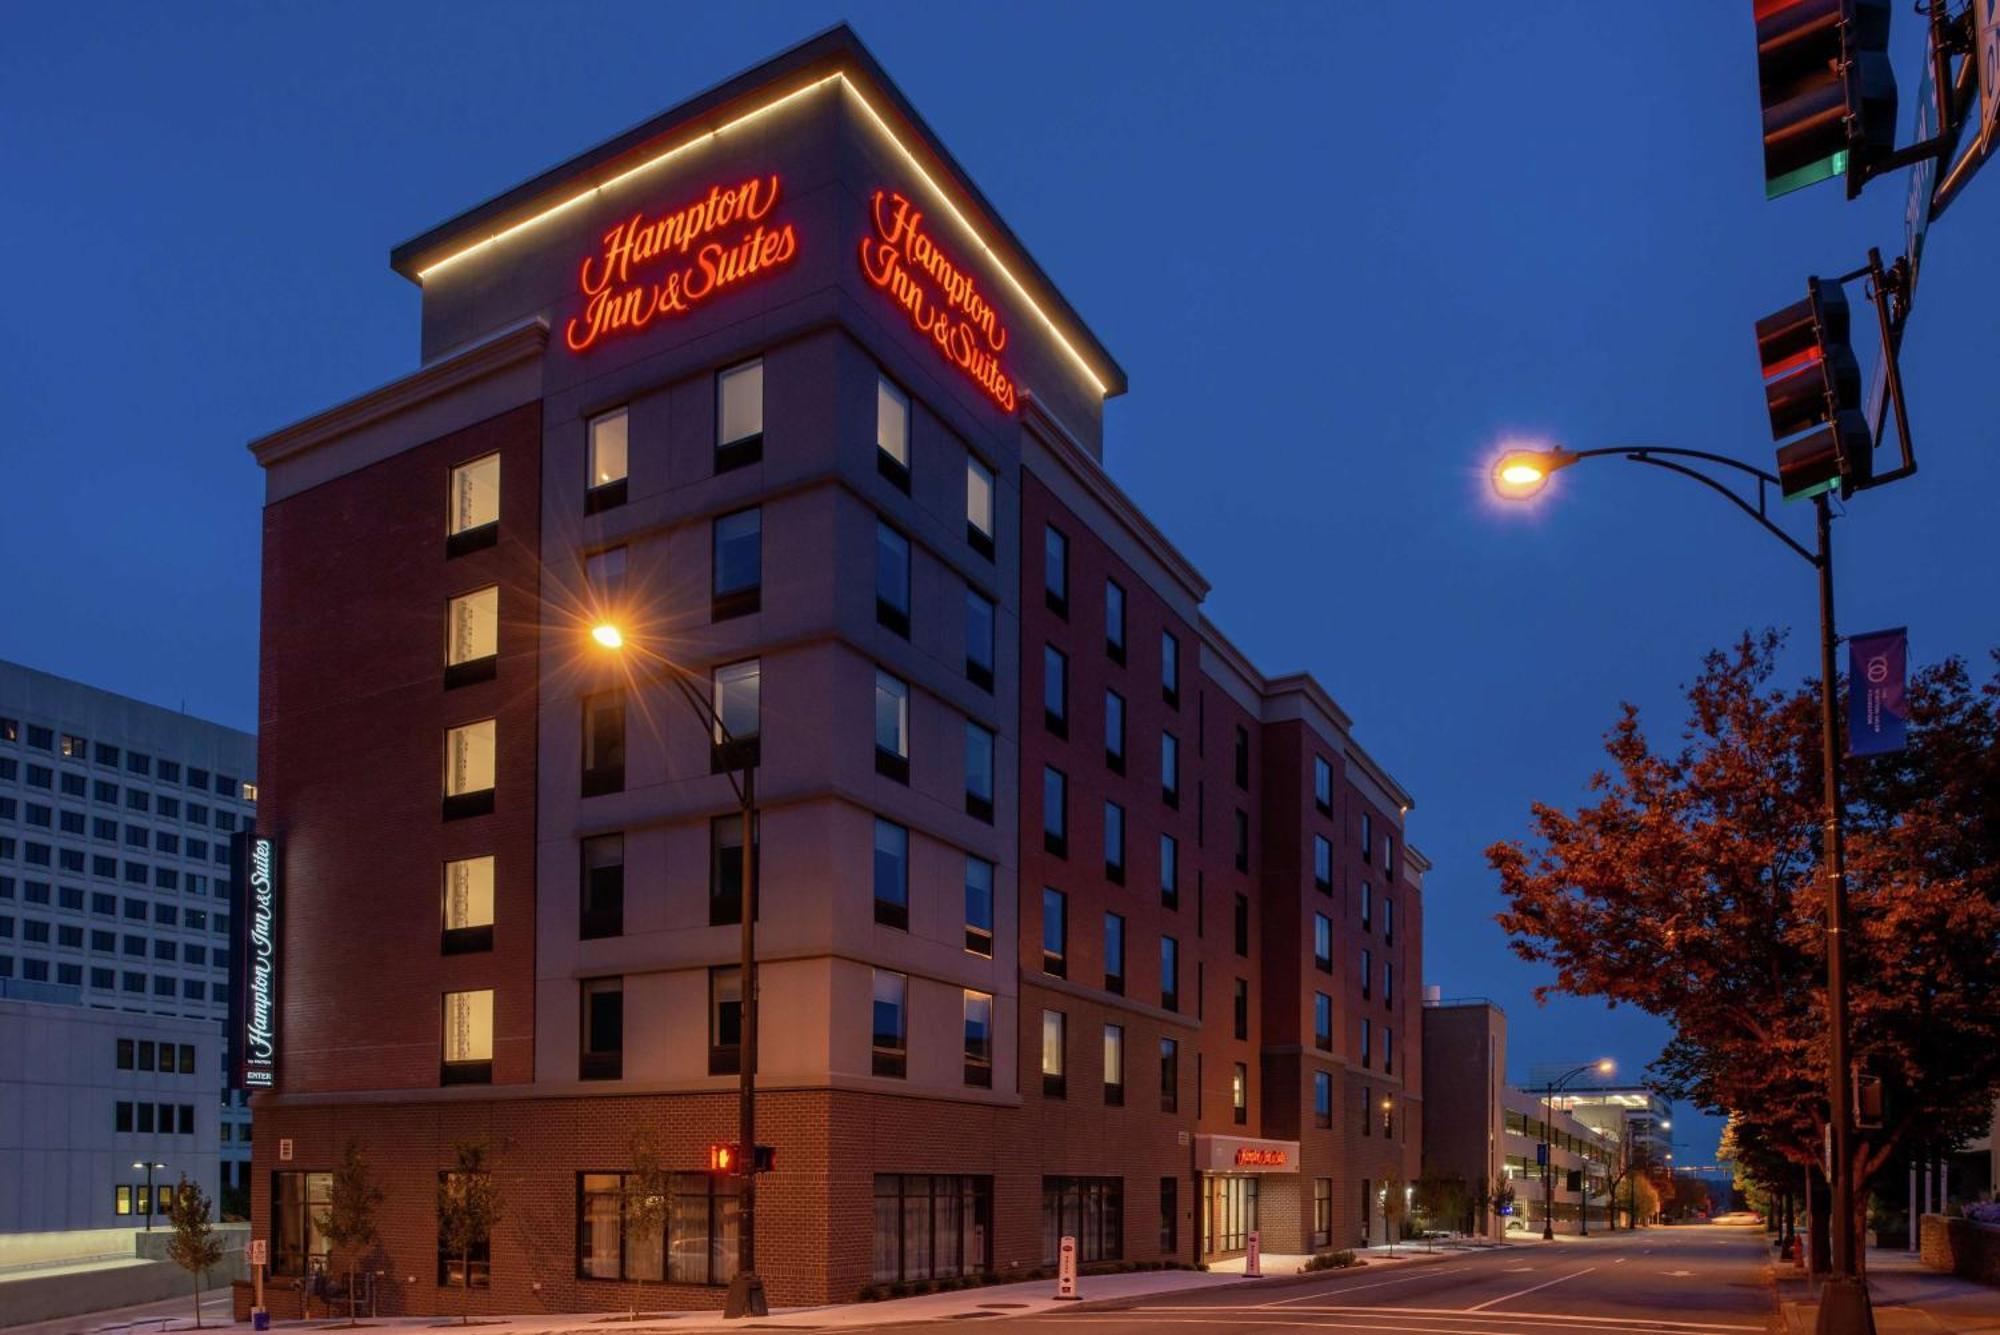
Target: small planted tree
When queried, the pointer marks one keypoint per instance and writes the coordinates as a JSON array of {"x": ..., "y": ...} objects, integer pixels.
[
  {"x": 348, "y": 1222},
  {"x": 648, "y": 1197},
  {"x": 1395, "y": 1207},
  {"x": 193, "y": 1246},
  {"x": 469, "y": 1205}
]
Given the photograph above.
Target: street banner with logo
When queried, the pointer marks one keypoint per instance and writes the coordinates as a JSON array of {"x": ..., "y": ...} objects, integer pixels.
[{"x": 1878, "y": 705}]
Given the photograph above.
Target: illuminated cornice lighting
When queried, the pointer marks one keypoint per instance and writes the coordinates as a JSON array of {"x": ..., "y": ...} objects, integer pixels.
[{"x": 889, "y": 134}]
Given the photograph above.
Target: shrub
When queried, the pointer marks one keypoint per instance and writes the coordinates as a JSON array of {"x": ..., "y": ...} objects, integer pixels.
[{"x": 1339, "y": 1260}]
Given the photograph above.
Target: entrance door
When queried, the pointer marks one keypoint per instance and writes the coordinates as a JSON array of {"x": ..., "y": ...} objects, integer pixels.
[{"x": 1229, "y": 1211}]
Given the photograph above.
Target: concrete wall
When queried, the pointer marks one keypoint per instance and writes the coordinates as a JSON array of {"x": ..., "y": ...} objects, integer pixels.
[{"x": 141, "y": 1275}]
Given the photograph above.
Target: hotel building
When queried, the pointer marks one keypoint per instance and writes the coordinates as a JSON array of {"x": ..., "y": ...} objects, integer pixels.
[{"x": 1071, "y": 921}]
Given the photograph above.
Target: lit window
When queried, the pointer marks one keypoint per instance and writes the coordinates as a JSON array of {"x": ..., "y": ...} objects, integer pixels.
[
  {"x": 607, "y": 461},
  {"x": 475, "y": 495},
  {"x": 1114, "y": 1064},
  {"x": 468, "y": 1037},
  {"x": 468, "y": 904},
  {"x": 890, "y": 1054},
  {"x": 979, "y": 505},
  {"x": 472, "y": 627},
  {"x": 978, "y": 1038},
  {"x": 739, "y": 428},
  {"x": 738, "y": 574},
  {"x": 603, "y": 1045},
  {"x": 979, "y": 906},
  {"x": 1055, "y": 1036},
  {"x": 469, "y": 760},
  {"x": 1239, "y": 1094},
  {"x": 892, "y": 433}
]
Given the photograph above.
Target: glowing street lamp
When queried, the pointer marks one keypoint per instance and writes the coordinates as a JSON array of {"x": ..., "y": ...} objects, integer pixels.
[
  {"x": 1520, "y": 473},
  {"x": 608, "y": 635},
  {"x": 152, "y": 1204},
  {"x": 1602, "y": 1066}
]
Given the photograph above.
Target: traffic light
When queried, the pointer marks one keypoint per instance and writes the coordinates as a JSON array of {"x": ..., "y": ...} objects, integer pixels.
[
  {"x": 1812, "y": 380},
  {"x": 1828, "y": 91},
  {"x": 1868, "y": 1102},
  {"x": 724, "y": 1158}
]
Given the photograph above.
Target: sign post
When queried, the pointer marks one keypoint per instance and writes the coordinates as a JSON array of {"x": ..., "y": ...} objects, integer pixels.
[
  {"x": 260, "y": 1319},
  {"x": 1253, "y": 1259},
  {"x": 1066, "y": 1269}
]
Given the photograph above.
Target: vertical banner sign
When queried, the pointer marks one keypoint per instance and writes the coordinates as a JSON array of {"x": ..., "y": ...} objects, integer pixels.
[
  {"x": 256, "y": 928},
  {"x": 1066, "y": 1268},
  {"x": 1878, "y": 706}
]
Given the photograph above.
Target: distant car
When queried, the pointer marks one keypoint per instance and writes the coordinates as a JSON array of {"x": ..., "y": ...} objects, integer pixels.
[{"x": 1739, "y": 1218}]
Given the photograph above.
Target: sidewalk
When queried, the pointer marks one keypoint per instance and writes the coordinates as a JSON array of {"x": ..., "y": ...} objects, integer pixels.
[
  {"x": 1908, "y": 1298},
  {"x": 1023, "y": 1299}
]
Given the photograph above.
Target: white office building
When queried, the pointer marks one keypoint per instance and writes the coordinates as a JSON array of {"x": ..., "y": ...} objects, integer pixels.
[{"x": 115, "y": 825}]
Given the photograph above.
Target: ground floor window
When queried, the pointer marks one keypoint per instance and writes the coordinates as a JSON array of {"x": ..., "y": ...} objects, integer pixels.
[
  {"x": 1367, "y": 1206},
  {"x": 1322, "y": 1212},
  {"x": 471, "y": 1269},
  {"x": 1089, "y": 1209},
  {"x": 298, "y": 1200},
  {"x": 1230, "y": 1205},
  {"x": 614, "y": 1239},
  {"x": 701, "y": 1229},
  {"x": 1170, "y": 1217},
  {"x": 930, "y": 1226}
]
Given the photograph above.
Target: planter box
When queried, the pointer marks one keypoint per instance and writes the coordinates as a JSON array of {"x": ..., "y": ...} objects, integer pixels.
[{"x": 1961, "y": 1247}]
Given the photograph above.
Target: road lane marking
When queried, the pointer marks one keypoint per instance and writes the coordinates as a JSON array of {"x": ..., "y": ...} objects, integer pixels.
[
  {"x": 1662, "y": 1324},
  {"x": 1240, "y": 1319},
  {"x": 1423, "y": 1273},
  {"x": 1525, "y": 1292}
]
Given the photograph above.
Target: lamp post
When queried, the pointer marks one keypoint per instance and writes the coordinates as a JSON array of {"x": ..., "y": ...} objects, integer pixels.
[
  {"x": 746, "y": 1290},
  {"x": 1844, "y": 1307},
  {"x": 151, "y": 1204},
  {"x": 1603, "y": 1066}
]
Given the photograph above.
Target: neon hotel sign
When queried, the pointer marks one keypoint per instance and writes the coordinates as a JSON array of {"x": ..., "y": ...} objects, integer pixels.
[
  {"x": 260, "y": 1021},
  {"x": 940, "y": 298}
]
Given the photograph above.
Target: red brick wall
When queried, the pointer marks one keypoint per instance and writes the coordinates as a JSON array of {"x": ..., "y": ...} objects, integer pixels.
[{"x": 352, "y": 718}]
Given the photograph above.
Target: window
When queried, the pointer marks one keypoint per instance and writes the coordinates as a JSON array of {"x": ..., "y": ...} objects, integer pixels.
[
  {"x": 1114, "y": 732},
  {"x": 471, "y": 1269},
  {"x": 187, "y": 1059},
  {"x": 1089, "y": 1209},
  {"x": 123, "y": 1196},
  {"x": 1240, "y": 1010},
  {"x": 1388, "y": 1050},
  {"x": 604, "y": 743},
  {"x": 979, "y": 745},
  {"x": 892, "y": 874},
  {"x": 604, "y": 575},
  {"x": 468, "y": 770},
  {"x": 1170, "y": 1216},
  {"x": 1322, "y": 1220},
  {"x": 739, "y": 416},
  {"x": 1114, "y": 953},
  {"x": 1170, "y": 871},
  {"x": 1170, "y": 769},
  {"x": 1114, "y": 620},
  {"x": 1367, "y": 1054},
  {"x": 1055, "y": 690},
  {"x": 737, "y": 574},
  {"x": 1170, "y": 973},
  {"x": 1055, "y": 933},
  {"x": 299, "y": 1202},
  {"x": 725, "y": 870},
  {"x": 929, "y": 1227},
  {"x": 1389, "y": 859},
  {"x": 979, "y": 506},
  {"x": 472, "y": 518},
  {"x": 1170, "y": 668},
  {"x": 1170, "y": 1075},
  {"x": 1239, "y": 1094},
  {"x": 725, "y": 1020},
  {"x": 1242, "y": 757},
  {"x": 605, "y": 461},
  {"x": 1114, "y": 843},
  {"x": 1367, "y": 905},
  {"x": 1323, "y": 1022},
  {"x": 601, "y": 903},
  {"x": 1322, "y": 943},
  {"x": 73, "y": 746},
  {"x": 979, "y": 621},
  {"x": 1367, "y": 973},
  {"x": 1322, "y": 865},
  {"x": 1242, "y": 840},
  {"x": 1323, "y": 1099},
  {"x": 1389, "y": 984},
  {"x": 978, "y": 1039},
  {"x": 1240, "y": 924},
  {"x": 892, "y": 727},
  {"x": 1055, "y": 811},
  {"x": 468, "y": 1038},
  {"x": 1367, "y": 837},
  {"x": 1055, "y": 571},
  {"x": 1388, "y": 921},
  {"x": 890, "y": 1053},
  {"x": 468, "y": 906},
  {"x": 1055, "y": 1037},
  {"x": 170, "y": 772},
  {"x": 124, "y": 1049},
  {"x": 610, "y": 1243},
  {"x": 892, "y": 433},
  {"x": 979, "y": 906},
  {"x": 1114, "y": 1065},
  {"x": 737, "y": 689},
  {"x": 603, "y": 1053},
  {"x": 1323, "y": 785}
]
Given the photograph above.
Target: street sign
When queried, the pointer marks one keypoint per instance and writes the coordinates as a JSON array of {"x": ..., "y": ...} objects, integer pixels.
[
  {"x": 1541, "y": 1154},
  {"x": 1253, "y": 1259},
  {"x": 1878, "y": 702},
  {"x": 1066, "y": 1269},
  {"x": 259, "y": 1251}
]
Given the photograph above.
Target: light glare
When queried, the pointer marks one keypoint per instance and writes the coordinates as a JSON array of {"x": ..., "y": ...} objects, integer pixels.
[{"x": 608, "y": 635}]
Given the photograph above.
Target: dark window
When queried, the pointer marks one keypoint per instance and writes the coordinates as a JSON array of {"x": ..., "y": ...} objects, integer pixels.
[
  {"x": 1055, "y": 933},
  {"x": 125, "y": 1054},
  {"x": 1367, "y": 837},
  {"x": 738, "y": 579},
  {"x": 737, "y": 700},
  {"x": 121, "y": 1120},
  {"x": 1114, "y": 843},
  {"x": 1367, "y": 905},
  {"x": 1114, "y": 620},
  {"x": 892, "y": 874},
  {"x": 1322, "y": 1220},
  {"x": 725, "y": 1020},
  {"x": 1170, "y": 973},
  {"x": 604, "y": 743},
  {"x": 1322, "y": 1099},
  {"x": 892, "y": 579},
  {"x": 979, "y": 749},
  {"x": 930, "y": 1227},
  {"x": 1242, "y": 756},
  {"x": 725, "y": 869},
  {"x": 1114, "y": 953},
  {"x": 1089, "y": 1209},
  {"x": 1055, "y": 571},
  {"x": 1055, "y": 690},
  {"x": 1323, "y": 786},
  {"x": 1241, "y": 925},
  {"x": 978, "y": 1039},
  {"x": 1322, "y": 864},
  {"x": 1240, "y": 1008},
  {"x": 472, "y": 1269},
  {"x": 889, "y": 1043},
  {"x": 1322, "y": 943},
  {"x": 892, "y": 727},
  {"x": 603, "y": 1029},
  {"x": 1170, "y": 770},
  {"x": 1242, "y": 841},
  {"x": 1323, "y": 1022},
  {"x": 1055, "y": 811},
  {"x": 1114, "y": 732},
  {"x": 979, "y": 906},
  {"x": 603, "y": 890},
  {"x": 979, "y": 624},
  {"x": 1170, "y": 1075},
  {"x": 1170, "y": 668},
  {"x": 979, "y": 493},
  {"x": 1170, "y": 872}
]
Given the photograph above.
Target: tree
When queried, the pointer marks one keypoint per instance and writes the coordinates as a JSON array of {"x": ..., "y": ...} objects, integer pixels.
[
  {"x": 648, "y": 1196},
  {"x": 193, "y": 1246},
  {"x": 469, "y": 1204},
  {"x": 1445, "y": 1200},
  {"x": 1692, "y": 888},
  {"x": 1395, "y": 1206},
  {"x": 348, "y": 1223}
]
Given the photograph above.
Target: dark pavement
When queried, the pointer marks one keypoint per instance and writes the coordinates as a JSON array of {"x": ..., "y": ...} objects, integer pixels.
[{"x": 1685, "y": 1280}]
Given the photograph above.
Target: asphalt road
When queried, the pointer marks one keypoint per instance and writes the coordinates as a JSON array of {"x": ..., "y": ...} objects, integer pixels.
[{"x": 1684, "y": 1280}]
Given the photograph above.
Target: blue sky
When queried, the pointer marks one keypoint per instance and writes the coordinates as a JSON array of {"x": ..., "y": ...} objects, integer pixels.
[{"x": 1341, "y": 249}]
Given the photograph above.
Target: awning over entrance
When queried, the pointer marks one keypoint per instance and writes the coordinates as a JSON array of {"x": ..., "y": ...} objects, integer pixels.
[{"x": 1245, "y": 1154}]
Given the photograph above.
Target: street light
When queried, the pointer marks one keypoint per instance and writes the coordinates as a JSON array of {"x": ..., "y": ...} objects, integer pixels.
[
  {"x": 1845, "y": 1305},
  {"x": 151, "y": 1204},
  {"x": 1602, "y": 1066},
  {"x": 746, "y": 1290}
]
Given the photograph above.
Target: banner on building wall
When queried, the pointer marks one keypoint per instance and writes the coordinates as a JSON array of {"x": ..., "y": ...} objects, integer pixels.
[{"x": 253, "y": 1001}]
